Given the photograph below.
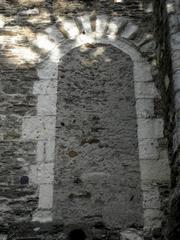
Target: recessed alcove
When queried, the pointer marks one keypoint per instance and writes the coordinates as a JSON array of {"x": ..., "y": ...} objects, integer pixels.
[{"x": 97, "y": 144}]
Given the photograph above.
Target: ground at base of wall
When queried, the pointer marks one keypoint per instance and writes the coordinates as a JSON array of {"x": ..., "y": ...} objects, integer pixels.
[{"x": 51, "y": 231}]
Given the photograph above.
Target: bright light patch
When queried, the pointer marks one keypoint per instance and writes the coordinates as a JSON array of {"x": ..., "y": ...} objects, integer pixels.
[
  {"x": 43, "y": 17},
  {"x": 2, "y": 23},
  {"x": 83, "y": 39},
  {"x": 55, "y": 55},
  {"x": 113, "y": 28},
  {"x": 43, "y": 42},
  {"x": 101, "y": 25},
  {"x": 118, "y": 1},
  {"x": 140, "y": 6},
  {"x": 99, "y": 51},
  {"x": 70, "y": 27},
  {"x": 1, "y": 40},
  {"x": 149, "y": 8},
  {"x": 25, "y": 54},
  {"x": 170, "y": 7},
  {"x": 112, "y": 37}
]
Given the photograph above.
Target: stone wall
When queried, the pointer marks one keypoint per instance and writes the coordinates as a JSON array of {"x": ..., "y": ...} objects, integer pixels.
[
  {"x": 169, "y": 70},
  {"x": 97, "y": 170},
  {"x": 40, "y": 41}
]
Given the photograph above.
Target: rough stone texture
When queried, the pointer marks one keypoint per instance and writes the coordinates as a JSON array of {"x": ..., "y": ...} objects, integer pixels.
[
  {"x": 170, "y": 39},
  {"x": 18, "y": 199},
  {"x": 39, "y": 31},
  {"x": 97, "y": 168}
]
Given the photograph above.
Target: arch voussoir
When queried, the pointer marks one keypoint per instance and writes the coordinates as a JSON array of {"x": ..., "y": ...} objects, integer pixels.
[{"x": 150, "y": 129}]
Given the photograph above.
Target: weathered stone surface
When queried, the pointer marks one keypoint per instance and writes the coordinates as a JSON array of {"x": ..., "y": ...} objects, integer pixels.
[
  {"x": 18, "y": 201},
  {"x": 131, "y": 234},
  {"x": 168, "y": 57},
  {"x": 34, "y": 31},
  {"x": 97, "y": 168}
]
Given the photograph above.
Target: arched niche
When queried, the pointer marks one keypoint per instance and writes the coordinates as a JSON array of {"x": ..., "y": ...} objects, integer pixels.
[
  {"x": 149, "y": 128},
  {"x": 97, "y": 170}
]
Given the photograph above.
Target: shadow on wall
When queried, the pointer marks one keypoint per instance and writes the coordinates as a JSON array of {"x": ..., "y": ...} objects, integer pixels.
[
  {"x": 96, "y": 133},
  {"x": 24, "y": 39},
  {"x": 25, "y": 43}
]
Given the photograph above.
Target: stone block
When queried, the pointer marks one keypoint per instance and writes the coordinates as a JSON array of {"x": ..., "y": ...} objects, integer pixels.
[
  {"x": 45, "y": 86},
  {"x": 144, "y": 108},
  {"x": 148, "y": 149},
  {"x": 142, "y": 72},
  {"x": 176, "y": 78},
  {"x": 148, "y": 47},
  {"x": 33, "y": 11},
  {"x": 116, "y": 24},
  {"x": 146, "y": 90},
  {"x": 177, "y": 133},
  {"x": 176, "y": 141},
  {"x": 130, "y": 31},
  {"x": 46, "y": 196},
  {"x": 177, "y": 100},
  {"x": 49, "y": 68},
  {"x": 150, "y": 128},
  {"x": 170, "y": 6},
  {"x": 155, "y": 170},
  {"x": 46, "y": 105},
  {"x": 2, "y": 21},
  {"x": 152, "y": 218},
  {"x": 175, "y": 41},
  {"x": 33, "y": 174},
  {"x": 45, "y": 151},
  {"x": 3, "y": 236},
  {"x": 131, "y": 234},
  {"x": 176, "y": 60},
  {"x": 43, "y": 42},
  {"x": 45, "y": 173},
  {"x": 151, "y": 197},
  {"x": 54, "y": 34},
  {"x": 42, "y": 216},
  {"x": 36, "y": 128},
  {"x": 85, "y": 20},
  {"x": 101, "y": 25},
  {"x": 69, "y": 26},
  {"x": 173, "y": 23}
]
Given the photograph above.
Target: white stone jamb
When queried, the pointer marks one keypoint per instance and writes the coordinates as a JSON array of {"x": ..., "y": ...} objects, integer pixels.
[{"x": 153, "y": 165}]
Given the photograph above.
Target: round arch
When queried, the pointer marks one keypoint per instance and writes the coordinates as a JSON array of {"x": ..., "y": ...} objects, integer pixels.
[{"x": 43, "y": 125}]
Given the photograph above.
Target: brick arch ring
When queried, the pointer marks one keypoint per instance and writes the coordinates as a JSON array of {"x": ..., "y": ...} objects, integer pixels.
[{"x": 68, "y": 34}]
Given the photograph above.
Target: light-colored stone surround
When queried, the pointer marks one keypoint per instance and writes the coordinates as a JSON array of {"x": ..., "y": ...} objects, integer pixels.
[{"x": 66, "y": 35}]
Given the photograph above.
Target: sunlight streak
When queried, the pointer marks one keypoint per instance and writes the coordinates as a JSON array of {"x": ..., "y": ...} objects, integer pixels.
[
  {"x": 25, "y": 54},
  {"x": 43, "y": 42}
]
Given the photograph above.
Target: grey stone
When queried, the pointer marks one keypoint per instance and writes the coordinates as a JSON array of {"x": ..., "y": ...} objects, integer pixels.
[
  {"x": 30, "y": 35},
  {"x": 96, "y": 138},
  {"x": 131, "y": 234}
]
